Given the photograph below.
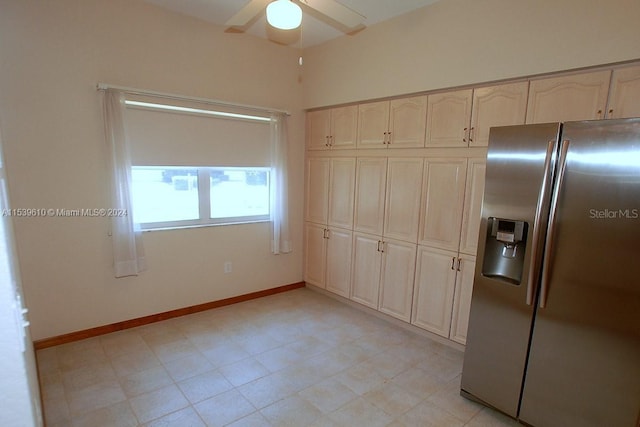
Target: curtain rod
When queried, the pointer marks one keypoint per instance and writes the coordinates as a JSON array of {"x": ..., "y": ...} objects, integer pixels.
[{"x": 105, "y": 86}]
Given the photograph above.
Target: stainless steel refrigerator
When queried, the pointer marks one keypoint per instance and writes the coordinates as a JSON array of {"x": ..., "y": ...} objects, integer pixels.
[{"x": 554, "y": 329}]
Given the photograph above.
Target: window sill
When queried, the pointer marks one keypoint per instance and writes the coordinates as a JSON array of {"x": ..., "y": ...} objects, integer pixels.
[{"x": 222, "y": 224}]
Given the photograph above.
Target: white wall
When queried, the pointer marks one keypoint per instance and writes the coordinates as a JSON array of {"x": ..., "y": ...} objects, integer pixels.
[
  {"x": 52, "y": 54},
  {"x": 459, "y": 42}
]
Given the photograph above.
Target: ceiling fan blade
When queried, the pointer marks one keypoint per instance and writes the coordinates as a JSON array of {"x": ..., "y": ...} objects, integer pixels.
[
  {"x": 339, "y": 13},
  {"x": 247, "y": 13}
]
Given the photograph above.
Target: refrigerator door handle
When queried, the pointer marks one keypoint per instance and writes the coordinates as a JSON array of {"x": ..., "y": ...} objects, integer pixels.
[
  {"x": 535, "y": 244},
  {"x": 550, "y": 241}
]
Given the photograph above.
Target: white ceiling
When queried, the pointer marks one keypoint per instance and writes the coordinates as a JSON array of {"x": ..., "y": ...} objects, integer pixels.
[{"x": 313, "y": 31}]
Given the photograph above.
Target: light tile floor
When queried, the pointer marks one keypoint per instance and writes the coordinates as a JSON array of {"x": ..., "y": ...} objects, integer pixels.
[{"x": 294, "y": 359}]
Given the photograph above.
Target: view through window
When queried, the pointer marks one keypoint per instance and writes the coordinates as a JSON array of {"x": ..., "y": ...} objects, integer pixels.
[{"x": 169, "y": 196}]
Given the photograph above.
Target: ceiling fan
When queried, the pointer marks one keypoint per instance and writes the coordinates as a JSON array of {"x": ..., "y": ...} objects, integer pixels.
[{"x": 329, "y": 11}]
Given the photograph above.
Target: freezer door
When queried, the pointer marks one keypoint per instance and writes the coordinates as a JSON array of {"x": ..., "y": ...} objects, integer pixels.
[
  {"x": 519, "y": 165},
  {"x": 584, "y": 363}
]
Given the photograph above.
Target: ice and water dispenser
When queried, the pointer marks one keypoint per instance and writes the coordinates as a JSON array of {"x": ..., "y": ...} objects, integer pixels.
[{"x": 504, "y": 250}]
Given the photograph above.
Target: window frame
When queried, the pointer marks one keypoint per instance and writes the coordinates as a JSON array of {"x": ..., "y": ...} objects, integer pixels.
[{"x": 204, "y": 201}]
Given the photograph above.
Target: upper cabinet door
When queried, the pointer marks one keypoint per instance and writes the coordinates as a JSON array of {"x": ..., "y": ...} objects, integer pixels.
[
  {"x": 624, "y": 98},
  {"x": 501, "y": 105},
  {"x": 318, "y": 129},
  {"x": 569, "y": 98},
  {"x": 472, "y": 213},
  {"x": 402, "y": 205},
  {"x": 344, "y": 126},
  {"x": 373, "y": 124},
  {"x": 448, "y": 117},
  {"x": 317, "y": 190},
  {"x": 442, "y": 202},
  {"x": 371, "y": 176},
  {"x": 407, "y": 121},
  {"x": 342, "y": 185}
]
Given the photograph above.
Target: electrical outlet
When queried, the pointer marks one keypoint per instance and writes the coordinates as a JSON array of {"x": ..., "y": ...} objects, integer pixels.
[{"x": 228, "y": 267}]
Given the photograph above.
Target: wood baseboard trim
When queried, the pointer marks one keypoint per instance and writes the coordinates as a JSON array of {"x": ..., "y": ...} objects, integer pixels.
[{"x": 140, "y": 321}]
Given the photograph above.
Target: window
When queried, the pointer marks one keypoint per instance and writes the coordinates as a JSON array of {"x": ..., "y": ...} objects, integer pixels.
[
  {"x": 169, "y": 196},
  {"x": 197, "y": 164}
]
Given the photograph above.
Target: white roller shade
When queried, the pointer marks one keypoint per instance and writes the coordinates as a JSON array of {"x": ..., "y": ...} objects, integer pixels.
[{"x": 173, "y": 138}]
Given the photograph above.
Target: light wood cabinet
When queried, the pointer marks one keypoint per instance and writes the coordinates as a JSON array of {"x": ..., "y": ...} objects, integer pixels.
[
  {"x": 330, "y": 190},
  {"x": 338, "y": 261},
  {"x": 399, "y": 123},
  {"x": 342, "y": 178},
  {"x": 315, "y": 252},
  {"x": 328, "y": 258},
  {"x": 472, "y": 211},
  {"x": 462, "y": 298},
  {"x": 624, "y": 98},
  {"x": 396, "y": 281},
  {"x": 402, "y": 199},
  {"x": 442, "y": 202},
  {"x": 317, "y": 190},
  {"x": 383, "y": 273},
  {"x": 442, "y": 293},
  {"x": 434, "y": 290},
  {"x": 567, "y": 98},
  {"x": 448, "y": 119},
  {"x": 371, "y": 178},
  {"x": 365, "y": 279},
  {"x": 332, "y": 129},
  {"x": 500, "y": 105}
]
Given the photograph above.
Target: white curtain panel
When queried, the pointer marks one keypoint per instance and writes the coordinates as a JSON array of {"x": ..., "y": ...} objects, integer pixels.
[
  {"x": 280, "y": 238},
  {"x": 128, "y": 252}
]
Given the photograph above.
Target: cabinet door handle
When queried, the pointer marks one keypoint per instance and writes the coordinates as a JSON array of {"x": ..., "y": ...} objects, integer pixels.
[
  {"x": 471, "y": 134},
  {"x": 459, "y": 267},
  {"x": 331, "y": 139},
  {"x": 325, "y": 234},
  {"x": 326, "y": 139},
  {"x": 453, "y": 263},
  {"x": 382, "y": 246},
  {"x": 388, "y": 140},
  {"x": 464, "y": 138}
]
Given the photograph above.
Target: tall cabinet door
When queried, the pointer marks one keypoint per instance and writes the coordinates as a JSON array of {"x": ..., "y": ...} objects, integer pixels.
[
  {"x": 317, "y": 191},
  {"x": 365, "y": 281},
  {"x": 407, "y": 121},
  {"x": 371, "y": 176},
  {"x": 338, "y": 275},
  {"x": 373, "y": 124},
  {"x": 624, "y": 99},
  {"x": 448, "y": 117},
  {"x": 396, "y": 283},
  {"x": 472, "y": 213},
  {"x": 501, "y": 105},
  {"x": 402, "y": 205},
  {"x": 462, "y": 299},
  {"x": 315, "y": 251},
  {"x": 442, "y": 202},
  {"x": 434, "y": 290},
  {"x": 341, "y": 192},
  {"x": 568, "y": 98}
]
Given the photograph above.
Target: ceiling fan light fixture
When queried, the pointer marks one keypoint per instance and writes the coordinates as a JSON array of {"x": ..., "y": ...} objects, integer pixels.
[{"x": 284, "y": 14}]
